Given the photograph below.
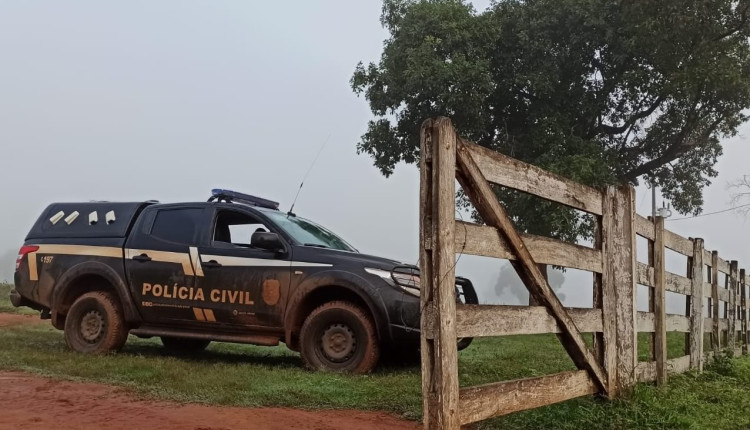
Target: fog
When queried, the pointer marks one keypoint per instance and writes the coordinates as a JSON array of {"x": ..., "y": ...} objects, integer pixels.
[{"x": 165, "y": 100}]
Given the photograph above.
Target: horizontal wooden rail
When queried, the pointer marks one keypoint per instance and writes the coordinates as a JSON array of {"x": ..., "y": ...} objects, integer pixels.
[
  {"x": 674, "y": 283},
  {"x": 501, "y": 320},
  {"x": 708, "y": 324},
  {"x": 725, "y": 295},
  {"x": 644, "y": 227},
  {"x": 511, "y": 173},
  {"x": 678, "y": 243},
  {"x": 723, "y": 266},
  {"x": 474, "y": 239},
  {"x": 491, "y": 400},
  {"x": 646, "y": 370},
  {"x": 678, "y": 323}
]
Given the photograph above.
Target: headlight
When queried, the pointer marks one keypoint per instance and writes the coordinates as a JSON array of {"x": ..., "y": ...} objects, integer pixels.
[{"x": 405, "y": 281}]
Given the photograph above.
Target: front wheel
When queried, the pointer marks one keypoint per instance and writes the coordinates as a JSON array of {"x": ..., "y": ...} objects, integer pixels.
[
  {"x": 339, "y": 337},
  {"x": 95, "y": 324}
]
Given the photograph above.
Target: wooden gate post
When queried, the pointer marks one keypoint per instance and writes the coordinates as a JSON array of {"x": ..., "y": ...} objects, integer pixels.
[
  {"x": 696, "y": 309},
  {"x": 619, "y": 280},
  {"x": 732, "y": 305},
  {"x": 743, "y": 311},
  {"x": 715, "y": 333},
  {"x": 437, "y": 268},
  {"x": 660, "y": 303}
]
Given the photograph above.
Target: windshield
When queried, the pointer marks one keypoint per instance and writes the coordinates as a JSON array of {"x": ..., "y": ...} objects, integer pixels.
[{"x": 307, "y": 232}]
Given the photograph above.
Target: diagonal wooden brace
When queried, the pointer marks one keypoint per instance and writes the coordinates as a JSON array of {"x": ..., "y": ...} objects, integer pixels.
[{"x": 480, "y": 193}]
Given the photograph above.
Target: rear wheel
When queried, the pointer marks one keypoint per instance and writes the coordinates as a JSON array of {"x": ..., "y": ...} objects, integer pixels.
[
  {"x": 95, "y": 324},
  {"x": 182, "y": 345},
  {"x": 339, "y": 337}
]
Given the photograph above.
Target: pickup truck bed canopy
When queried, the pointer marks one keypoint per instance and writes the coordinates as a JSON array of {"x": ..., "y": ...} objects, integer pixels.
[{"x": 86, "y": 220}]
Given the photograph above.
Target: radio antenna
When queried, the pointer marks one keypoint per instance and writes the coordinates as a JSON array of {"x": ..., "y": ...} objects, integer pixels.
[{"x": 325, "y": 142}]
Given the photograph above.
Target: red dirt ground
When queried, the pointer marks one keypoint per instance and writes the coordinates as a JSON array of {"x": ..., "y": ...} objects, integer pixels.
[
  {"x": 33, "y": 402},
  {"x": 7, "y": 320}
]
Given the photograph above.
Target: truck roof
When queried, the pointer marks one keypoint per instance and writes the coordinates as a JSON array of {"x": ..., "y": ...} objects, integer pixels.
[{"x": 86, "y": 220}]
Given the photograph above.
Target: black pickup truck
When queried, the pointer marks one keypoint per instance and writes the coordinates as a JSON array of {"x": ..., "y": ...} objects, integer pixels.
[{"x": 233, "y": 269}]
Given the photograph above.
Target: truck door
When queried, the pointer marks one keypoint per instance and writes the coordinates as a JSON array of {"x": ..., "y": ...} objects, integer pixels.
[
  {"x": 244, "y": 286},
  {"x": 160, "y": 258}
]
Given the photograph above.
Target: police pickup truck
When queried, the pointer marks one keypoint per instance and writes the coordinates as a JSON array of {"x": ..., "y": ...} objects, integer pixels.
[{"x": 233, "y": 269}]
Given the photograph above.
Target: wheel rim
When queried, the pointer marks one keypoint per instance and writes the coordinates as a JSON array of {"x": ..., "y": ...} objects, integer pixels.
[
  {"x": 92, "y": 326},
  {"x": 338, "y": 343}
]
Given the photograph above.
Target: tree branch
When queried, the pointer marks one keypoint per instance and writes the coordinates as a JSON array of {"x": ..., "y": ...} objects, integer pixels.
[{"x": 611, "y": 130}]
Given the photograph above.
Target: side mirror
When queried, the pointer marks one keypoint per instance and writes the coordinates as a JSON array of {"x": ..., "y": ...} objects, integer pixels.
[{"x": 267, "y": 241}]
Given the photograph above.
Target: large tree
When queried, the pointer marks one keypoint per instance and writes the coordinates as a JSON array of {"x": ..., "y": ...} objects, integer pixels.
[{"x": 599, "y": 91}]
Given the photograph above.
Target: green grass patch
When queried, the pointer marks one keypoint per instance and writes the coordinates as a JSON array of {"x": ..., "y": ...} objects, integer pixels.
[{"x": 244, "y": 375}]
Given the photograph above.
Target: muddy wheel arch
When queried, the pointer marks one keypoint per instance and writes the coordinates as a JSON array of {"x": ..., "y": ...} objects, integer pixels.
[
  {"x": 90, "y": 276},
  {"x": 332, "y": 286}
]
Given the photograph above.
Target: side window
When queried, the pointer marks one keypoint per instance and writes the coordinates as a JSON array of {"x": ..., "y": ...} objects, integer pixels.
[
  {"x": 177, "y": 225},
  {"x": 236, "y": 228}
]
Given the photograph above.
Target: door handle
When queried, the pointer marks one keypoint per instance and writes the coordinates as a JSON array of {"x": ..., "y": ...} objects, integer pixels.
[
  {"x": 142, "y": 258},
  {"x": 211, "y": 264}
]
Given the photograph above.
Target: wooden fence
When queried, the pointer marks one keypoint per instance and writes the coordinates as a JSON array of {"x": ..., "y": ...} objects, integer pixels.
[{"x": 611, "y": 365}]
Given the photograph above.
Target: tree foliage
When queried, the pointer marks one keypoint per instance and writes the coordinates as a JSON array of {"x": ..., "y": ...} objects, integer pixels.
[{"x": 599, "y": 91}]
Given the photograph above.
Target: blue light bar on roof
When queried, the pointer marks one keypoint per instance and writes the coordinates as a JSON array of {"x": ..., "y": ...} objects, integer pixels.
[{"x": 234, "y": 196}]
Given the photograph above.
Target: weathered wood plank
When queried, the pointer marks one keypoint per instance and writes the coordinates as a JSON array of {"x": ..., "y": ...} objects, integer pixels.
[
  {"x": 678, "y": 323},
  {"x": 723, "y": 265},
  {"x": 696, "y": 308},
  {"x": 725, "y": 295},
  {"x": 485, "y": 201},
  {"x": 427, "y": 350},
  {"x": 679, "y": 364},
  {"x": 508, "y": 172},
  {"x": 620, "y": 275},
  {"x": 673, "y": 323},
  {"x": 645, "y": 322},
  {"x": 732, "y": 302},
  {"x": 677, "y": 284},
  {"x": 707, "y": 258},
  {"x": 605, "y": 291},
  {"x": 715, "y": 339},
  {"x": 660, "y": 303},
  {"x": 674, "y": 283},
  {"x": 678, "y": 243},
  {"x": 491, "y": 400},
  {"x": 474, "y": 239},
  {"x": 443, "y": 386},
  {"x": 743, "y": 312},
  {"x": 645, "y": 274},
  {"x": 501, "y": 320},
  {"x": 644, "y": 227},
  {"x": 646, "y": 371}
]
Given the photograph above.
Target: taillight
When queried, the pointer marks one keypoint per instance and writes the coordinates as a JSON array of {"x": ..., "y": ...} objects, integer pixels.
[{"x": 22, "y": 253}]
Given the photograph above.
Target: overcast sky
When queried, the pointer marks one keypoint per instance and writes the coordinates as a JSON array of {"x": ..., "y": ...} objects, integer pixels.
[{"x": 165, "y": 100}]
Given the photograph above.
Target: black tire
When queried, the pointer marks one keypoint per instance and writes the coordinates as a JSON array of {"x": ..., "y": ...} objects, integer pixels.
[
  {"x": 95, "y": 324},
  {"x": 469, "y": 297},
  {"x": 182, "y": 345},
  {"x": 339, "y": 337}
]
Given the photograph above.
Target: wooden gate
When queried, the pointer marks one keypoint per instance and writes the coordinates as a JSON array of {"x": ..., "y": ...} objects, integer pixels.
[{"x": 611, "y": 365}]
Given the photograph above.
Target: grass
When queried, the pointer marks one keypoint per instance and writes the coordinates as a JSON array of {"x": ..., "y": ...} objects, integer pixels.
[{"x": 260, "y": 376}]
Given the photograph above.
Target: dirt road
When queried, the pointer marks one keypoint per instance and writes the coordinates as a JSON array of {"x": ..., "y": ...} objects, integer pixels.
[
  {"x": 32, "y": 402},
  {"x": 7, "y": 320}
]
